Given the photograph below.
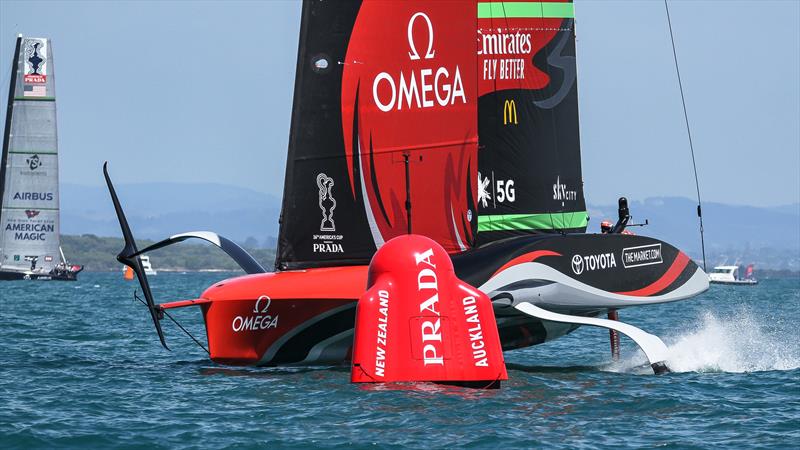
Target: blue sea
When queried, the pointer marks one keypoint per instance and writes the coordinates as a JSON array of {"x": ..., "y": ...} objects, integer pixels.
[{"x": 81, "y": 366}]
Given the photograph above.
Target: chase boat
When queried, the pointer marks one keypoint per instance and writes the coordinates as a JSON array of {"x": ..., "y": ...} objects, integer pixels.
[
  {"x": 730, "y": 275},
  {"x": 401, "y": 129}
]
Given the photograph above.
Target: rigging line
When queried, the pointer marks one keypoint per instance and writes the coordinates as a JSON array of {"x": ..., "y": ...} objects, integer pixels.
[
  {"x": 175, "y": 321},
  {"x": 185, "y": 330},
  {"x": 689, "y": 134}
]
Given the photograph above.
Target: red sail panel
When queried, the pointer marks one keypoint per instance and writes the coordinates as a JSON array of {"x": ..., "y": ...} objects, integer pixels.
[
  {"x": 378, "y": 82},
  {"x": 409, "y": 90}
]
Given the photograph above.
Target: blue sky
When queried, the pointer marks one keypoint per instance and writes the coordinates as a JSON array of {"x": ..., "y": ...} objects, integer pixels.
[{"x": 201, "y": 91}]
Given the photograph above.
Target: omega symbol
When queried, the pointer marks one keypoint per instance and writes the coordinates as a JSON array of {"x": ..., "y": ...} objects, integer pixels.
[{"x": 413, "y": 54}]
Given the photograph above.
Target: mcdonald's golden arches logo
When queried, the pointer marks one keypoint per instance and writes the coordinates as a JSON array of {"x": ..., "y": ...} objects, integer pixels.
[{"x": 509, "y": 112}]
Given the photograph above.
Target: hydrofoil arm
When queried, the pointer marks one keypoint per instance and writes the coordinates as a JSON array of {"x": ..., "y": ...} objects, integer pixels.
[
  {"x": 238, "y": 254},
  {"x": 653, "y": 347}
]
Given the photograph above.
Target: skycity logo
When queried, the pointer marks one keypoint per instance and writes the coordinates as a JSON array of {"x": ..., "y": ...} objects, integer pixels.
[
  {"x": 419, "y": 89},
  {"x": 593, "y": 262},
  {"x": 561, "y": 193}
]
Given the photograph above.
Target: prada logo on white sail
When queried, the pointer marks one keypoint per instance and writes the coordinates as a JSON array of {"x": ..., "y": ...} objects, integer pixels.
[
  {"x": 35, "y": 51},
  {"x": 418, "y": 88}
]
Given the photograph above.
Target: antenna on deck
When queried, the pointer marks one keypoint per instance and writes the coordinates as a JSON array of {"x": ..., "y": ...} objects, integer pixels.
[
  {"x": 408, "y": 190},
  {"x": 688, "y": 133}
]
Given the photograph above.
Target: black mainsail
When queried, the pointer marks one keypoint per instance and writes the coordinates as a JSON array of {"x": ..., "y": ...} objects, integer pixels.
[{"x": 529, "y": 159}]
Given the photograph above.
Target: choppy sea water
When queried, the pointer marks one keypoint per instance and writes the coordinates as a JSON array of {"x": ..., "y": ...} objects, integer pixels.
[{"x": 80, "y": 366}]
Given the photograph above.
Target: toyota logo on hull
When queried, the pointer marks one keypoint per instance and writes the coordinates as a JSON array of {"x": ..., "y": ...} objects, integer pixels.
[
  {"x": 593, "y": 262},
  {"x": 577, "y": 264}
]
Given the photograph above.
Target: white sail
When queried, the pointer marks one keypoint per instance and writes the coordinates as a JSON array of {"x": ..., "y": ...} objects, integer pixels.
[{"x": 29, "y": 208}]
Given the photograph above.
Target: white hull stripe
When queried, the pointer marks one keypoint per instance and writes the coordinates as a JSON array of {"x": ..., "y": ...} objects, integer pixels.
[{"x": 591, "y": 296}]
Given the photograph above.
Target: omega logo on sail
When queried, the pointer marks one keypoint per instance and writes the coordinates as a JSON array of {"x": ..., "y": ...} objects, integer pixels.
[{"x": 417, "y": 89}]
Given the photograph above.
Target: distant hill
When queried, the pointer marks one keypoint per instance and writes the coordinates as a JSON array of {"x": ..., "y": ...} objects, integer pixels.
[
  {"x": 769, "y": 237},
  {"x": 157, "y": 210},
  {"x": 97, "y": 254}
]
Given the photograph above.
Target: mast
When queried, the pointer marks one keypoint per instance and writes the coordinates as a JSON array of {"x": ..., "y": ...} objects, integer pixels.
[{"x": 7, "y": 133}]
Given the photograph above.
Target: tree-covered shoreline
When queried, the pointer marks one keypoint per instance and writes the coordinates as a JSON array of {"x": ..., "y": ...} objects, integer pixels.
[{"x": 98, "y": 254}]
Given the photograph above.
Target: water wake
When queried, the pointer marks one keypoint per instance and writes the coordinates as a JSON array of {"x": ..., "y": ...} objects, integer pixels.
[{"x": 741, "y": 342}]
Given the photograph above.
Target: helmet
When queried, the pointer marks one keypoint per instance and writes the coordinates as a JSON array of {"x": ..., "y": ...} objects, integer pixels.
[{"x": 605, "y": 226}]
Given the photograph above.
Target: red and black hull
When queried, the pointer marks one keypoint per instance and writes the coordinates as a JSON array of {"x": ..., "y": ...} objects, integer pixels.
[{"x": 307, "y": 317}]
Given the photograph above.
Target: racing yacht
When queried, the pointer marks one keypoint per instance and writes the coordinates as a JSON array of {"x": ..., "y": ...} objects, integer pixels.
[
  {"x": 30, "y": 243},
  {"x": 456, "y": 121}
]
